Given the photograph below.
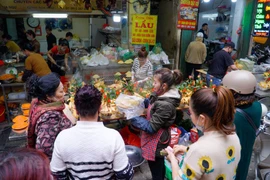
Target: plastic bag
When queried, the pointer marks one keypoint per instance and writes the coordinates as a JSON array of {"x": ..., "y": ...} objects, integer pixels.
[
  {"x": 246, "y": 64},
  {"x": 77, "y": 77},
  {"x": 98, "y": 59},
  {"x": 93, "y": 51},
  {"x": 146, "y": 47},
  {"x": 128, "y": 55},
  {"x": 131, "y": 106},
  {"x": 157, "y": 48},
  {"x": 164, "y": 58},
  {"x": 154, "y": 58},
  {"x": 175, "y": 134}
]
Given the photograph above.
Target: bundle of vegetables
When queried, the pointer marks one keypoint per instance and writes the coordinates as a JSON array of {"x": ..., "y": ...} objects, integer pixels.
[{"x": 188, "y": 87}]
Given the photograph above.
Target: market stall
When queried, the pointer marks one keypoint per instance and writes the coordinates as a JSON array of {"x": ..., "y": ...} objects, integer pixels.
[{"x": 12, "y": 87}]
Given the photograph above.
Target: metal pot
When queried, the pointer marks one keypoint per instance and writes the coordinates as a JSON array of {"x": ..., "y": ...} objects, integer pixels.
[{"x": 135, "y": 155}]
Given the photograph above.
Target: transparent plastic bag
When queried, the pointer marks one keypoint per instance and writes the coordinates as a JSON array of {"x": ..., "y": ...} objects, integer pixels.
[
  {"x": 157, "y": 48},
  {"x": 131, "y": 106}
]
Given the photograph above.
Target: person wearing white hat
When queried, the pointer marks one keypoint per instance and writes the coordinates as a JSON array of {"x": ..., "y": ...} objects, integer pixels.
[
  {"x": 243, "y": 85},
  {"x": 195, "y": 55}
]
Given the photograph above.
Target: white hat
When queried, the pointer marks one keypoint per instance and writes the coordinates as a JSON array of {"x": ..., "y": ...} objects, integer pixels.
[{"x": 199, "y": 34}]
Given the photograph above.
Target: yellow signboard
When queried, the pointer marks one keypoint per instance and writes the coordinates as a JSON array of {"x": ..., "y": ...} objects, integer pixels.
[{"x": 144, "y": 29}]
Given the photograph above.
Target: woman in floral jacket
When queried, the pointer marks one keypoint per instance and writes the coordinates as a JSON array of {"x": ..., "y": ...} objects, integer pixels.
[{"x": 46, "y": 118}]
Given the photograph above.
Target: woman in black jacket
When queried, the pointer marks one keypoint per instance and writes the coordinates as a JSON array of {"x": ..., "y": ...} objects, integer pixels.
[{"x": 160, "y": 116}]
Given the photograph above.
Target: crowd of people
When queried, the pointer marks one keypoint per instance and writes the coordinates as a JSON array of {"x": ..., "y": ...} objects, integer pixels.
[
  {"x": 89, "y": 150},
  {"x": 58, "y": 55}
]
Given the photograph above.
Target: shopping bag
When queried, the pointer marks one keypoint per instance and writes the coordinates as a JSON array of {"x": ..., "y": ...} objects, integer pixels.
[{"x": 175, "y": 134}]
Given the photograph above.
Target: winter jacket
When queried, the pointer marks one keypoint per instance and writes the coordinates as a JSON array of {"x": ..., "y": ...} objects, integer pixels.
[
  {"x": 46, "y": 121},
  {"x": 163, "y": 114}
]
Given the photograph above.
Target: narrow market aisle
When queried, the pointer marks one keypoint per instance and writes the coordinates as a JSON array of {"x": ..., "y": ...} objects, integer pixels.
[
  {"x": 142, "y": 172},
  {"x": 251, "y": 171}
]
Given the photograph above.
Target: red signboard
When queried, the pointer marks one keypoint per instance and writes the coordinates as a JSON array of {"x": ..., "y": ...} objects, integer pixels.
[{"x": 187, "y": 15}]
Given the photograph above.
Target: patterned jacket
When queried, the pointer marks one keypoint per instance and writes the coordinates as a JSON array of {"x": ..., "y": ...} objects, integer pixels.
[{"x": 46, "y": 121}]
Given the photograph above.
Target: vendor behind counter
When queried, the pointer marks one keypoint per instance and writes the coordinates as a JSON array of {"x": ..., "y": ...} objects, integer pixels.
[
  {"x": 58, "y": 58},
  {"x": 142, "y": 68},
  {"x": 11, "y": 45},
  {"x": 34, "y": 63}
]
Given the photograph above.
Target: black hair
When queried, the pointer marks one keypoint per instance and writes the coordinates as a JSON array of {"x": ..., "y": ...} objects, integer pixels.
[
  {"x": 243, "y": 99},
  {"x": 48, "y": 27},
  {"x": 6, "y": 36},
  {"x": 69, "y": 34},
  {"x": 63, "y": 42},
  {"x": 30, "y": 32},
  {"x": 43, "y": 86},
  {"x": 204, "y": 24},
  {"x": 230, "y": 44},
  {"x": 170, "y": 77},
  {"x": 28, "y": 46},
  {"x": 87, "y": 100}
]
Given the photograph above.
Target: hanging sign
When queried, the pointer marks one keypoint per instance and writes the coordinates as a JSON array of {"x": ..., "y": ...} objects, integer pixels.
[
  {"x": 144, "y": 29},
  {"x": 187, "y": 15},
  {"x": 85, "y": 6},
  {"x": 262, "y": 18}
]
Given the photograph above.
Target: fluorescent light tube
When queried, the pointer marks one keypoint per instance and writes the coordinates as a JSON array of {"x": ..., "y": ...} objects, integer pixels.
[
  {"x": 116, "y": 18},
  {"x": 49, "y": 15}
]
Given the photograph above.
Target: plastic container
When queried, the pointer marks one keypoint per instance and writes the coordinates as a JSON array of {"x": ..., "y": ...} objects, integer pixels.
[
  {"x": 22, "y": 95},
  {"x": 13, "y": 96},
  {"x": 184, "y": 140}
]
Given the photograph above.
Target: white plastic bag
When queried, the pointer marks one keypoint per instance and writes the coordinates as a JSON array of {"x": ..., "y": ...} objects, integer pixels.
[
  {"x": 164, "y": 58},
  {"x": 131, "y": 106}
]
